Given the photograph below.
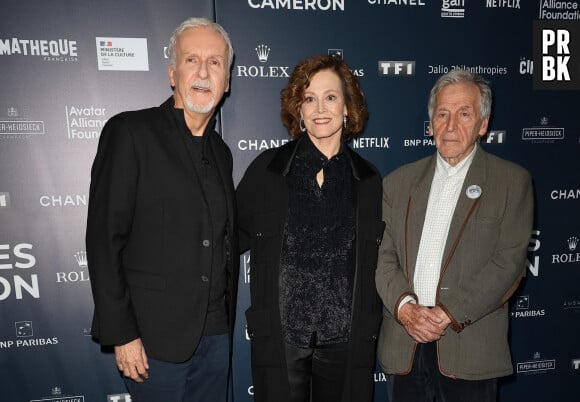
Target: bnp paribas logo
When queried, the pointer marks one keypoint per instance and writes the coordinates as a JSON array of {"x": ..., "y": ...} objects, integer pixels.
[{"x": 262, "y": 69}]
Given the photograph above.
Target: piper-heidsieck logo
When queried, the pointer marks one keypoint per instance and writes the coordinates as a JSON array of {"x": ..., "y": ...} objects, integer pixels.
[
  {"x": 262, "y": 69},
  {"x": 543, "y": 133},
  {"x": 56, "y": 395},
  {"x": 301, "y": 5},
  {"x": 537, "y": 365},
  {"x": 57, "y": 50},
  {"x": 556, "y": 55},
  {"x": 16, "y": 124}
]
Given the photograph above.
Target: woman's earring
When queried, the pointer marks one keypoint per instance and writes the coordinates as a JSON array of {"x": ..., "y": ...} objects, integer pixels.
[
  {"x": 301, "y": 124},
  {"x": 344, "y": 121}
]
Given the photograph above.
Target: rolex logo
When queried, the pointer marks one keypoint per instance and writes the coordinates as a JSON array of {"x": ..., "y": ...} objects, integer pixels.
[
  {"x": 263, "y": 52},
  {"x": 81, "y": 258},
  {"x": 572, "y": 243}
]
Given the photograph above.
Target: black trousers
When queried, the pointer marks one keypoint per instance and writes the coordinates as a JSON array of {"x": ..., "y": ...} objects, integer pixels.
[
  {"x": 426, "y": 384},
  {"x": 316, "y": 374}
]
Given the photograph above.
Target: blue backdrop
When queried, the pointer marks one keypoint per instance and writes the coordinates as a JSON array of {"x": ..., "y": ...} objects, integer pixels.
[{"x": 68, "y": 66}]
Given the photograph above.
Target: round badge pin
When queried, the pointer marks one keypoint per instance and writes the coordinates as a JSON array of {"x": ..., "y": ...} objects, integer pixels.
[{"x": 473, "y": 191}]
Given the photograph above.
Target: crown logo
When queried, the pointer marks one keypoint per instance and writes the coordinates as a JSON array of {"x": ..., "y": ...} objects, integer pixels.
[
  {"x": 81, "y": 258},
  {"x": 56, "y": 391},
  {"x": 544, "y": 121},
  {"x": 263, "y": 52},
  {"x": 537, "y": 355},
  {"x": 12, "y": 112},
  {"x": 572, "y": 243}
]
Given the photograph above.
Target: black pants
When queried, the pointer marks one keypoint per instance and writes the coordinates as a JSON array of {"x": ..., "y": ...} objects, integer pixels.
[
  {"x": 426, "y": 384},
  {"x": 316, "y": 374}
]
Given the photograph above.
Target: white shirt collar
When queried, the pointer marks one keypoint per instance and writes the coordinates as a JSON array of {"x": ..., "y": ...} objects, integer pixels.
[{"x": 444, "y": 168}]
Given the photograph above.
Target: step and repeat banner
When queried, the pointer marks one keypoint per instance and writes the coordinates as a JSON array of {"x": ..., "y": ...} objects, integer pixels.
[{"x": 67, "y": 67}]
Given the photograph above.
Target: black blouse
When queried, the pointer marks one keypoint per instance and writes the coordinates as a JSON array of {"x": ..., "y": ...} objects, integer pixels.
[{"x": 318, "y": 251}]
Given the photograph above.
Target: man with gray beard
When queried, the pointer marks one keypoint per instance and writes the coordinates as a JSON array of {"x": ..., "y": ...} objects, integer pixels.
[{"x": 161, "y": 236}]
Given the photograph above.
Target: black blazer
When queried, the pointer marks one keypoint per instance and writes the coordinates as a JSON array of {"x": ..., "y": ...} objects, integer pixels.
[
  {"x": 262, "y": 197},
  {"x": 148, "y": 231}
]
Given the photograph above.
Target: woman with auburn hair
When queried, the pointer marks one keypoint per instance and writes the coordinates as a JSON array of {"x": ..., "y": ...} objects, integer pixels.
[{"x": 310, "y": 212}]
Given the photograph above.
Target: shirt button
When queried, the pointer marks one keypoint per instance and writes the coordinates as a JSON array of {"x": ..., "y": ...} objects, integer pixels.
[
  {"x": 205, "y": 243},
  {"x": 204, "y": 278}
]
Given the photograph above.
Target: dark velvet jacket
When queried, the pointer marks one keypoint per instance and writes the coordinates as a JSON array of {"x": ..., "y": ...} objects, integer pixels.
[{"x": 262, "y": 197}]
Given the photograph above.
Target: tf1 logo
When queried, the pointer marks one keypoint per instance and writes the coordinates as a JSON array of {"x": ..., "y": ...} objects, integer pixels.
[{"x": 557, "y": 54}]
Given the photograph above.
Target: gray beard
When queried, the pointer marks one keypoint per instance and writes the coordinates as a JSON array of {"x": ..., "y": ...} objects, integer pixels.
[{"x": 201, "y": 109}]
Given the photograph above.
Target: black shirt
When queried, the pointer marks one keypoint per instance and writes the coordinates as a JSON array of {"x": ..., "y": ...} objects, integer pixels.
[
  {"x": 318, "y": 251},
  {"x": 214, "y": 194}
]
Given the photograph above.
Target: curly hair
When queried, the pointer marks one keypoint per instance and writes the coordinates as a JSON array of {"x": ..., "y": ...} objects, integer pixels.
[{"x": 292, "y": 96}]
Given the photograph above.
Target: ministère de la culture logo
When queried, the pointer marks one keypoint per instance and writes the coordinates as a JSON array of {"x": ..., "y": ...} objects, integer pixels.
[
  {"x": 55, "y": 50},
  {"x": 122, "y": 54},
  {"x": 18, "y": 279},
  {"x": 262, "y": 69},
  {"x": 24, "y": 337},
  {"x": 15, "y": 124},
  {"x": 572, "y": 256},
  {"x": 84, "y": 122}
]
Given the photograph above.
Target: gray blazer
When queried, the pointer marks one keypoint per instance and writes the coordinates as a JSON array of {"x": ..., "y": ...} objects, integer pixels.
[{"x": 483, "y": 263}]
